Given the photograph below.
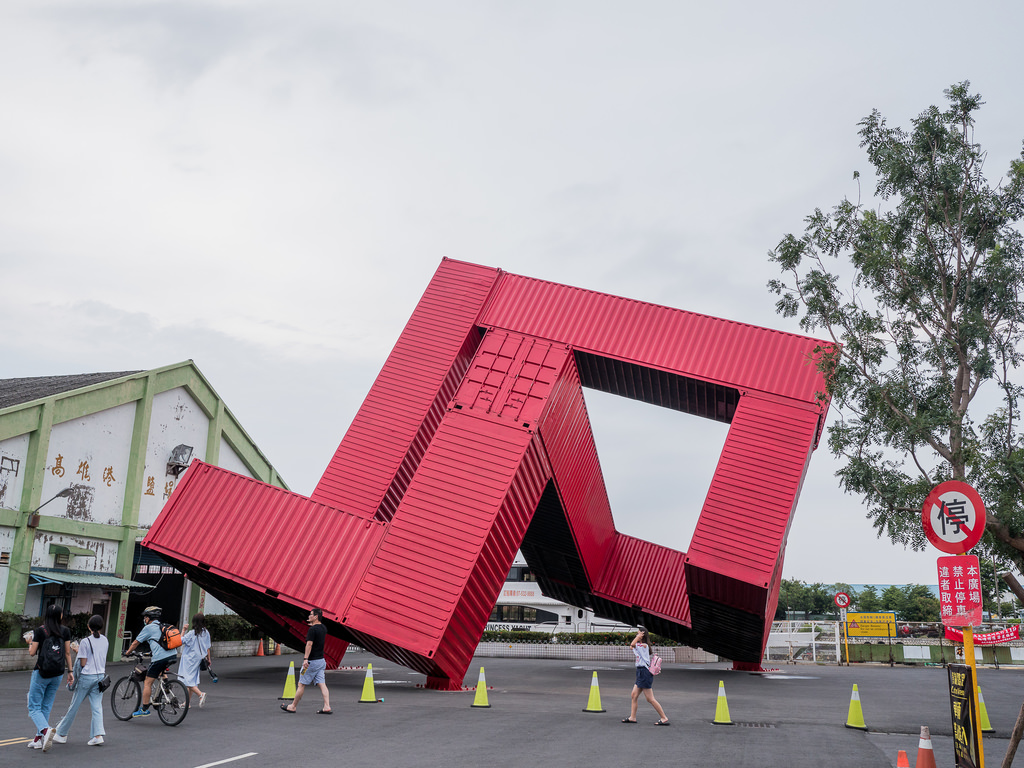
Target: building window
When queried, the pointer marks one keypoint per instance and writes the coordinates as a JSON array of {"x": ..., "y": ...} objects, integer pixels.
[
  {"x": 520, "y": 614},
  {"x": 5, "y": 558},
  {"x": 519, "y": 573},
  {"x": 61, "y": 560}
]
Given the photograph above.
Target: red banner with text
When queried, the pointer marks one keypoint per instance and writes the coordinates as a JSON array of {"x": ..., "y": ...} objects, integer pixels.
[{"x": 989, "y": 638}]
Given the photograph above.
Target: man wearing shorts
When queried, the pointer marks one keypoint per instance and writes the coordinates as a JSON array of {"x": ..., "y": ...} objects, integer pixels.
[
  {"x": 162, "y": 657},
  {"x": 313, "y": 665}
]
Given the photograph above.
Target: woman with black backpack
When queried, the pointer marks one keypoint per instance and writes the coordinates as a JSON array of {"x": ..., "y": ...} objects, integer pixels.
[{"x": 51, "y": 645}]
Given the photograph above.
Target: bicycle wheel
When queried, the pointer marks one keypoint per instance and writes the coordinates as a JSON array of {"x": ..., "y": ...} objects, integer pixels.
[
  {"x": 125, "y": 698},
  {"x": 174, "y": 706}
]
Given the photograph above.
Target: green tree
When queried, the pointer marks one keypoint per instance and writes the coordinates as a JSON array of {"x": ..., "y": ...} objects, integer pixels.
[
  {"x": 893, "y": 599},
  {"x": 822, "y": 599},
  {"x": 868, "y": 600},
  {"x": 919, "y": 604},
  {"x": 793, "y": 598},
  {"x": 920, "y": 295}
]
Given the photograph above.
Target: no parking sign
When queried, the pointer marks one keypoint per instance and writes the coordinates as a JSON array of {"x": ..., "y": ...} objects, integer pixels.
[{"x": 953, "y": 517}]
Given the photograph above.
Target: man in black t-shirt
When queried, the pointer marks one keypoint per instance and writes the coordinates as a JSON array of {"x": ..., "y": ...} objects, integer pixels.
[{"x": 313, "y": 664}]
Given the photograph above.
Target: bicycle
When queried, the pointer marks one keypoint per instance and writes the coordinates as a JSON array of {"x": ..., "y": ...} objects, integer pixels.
[{"x": 169, "y": 697}]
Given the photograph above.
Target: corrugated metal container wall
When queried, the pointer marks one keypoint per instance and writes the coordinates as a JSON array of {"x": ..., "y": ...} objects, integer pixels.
[
  {"x": 271, "y": 530},
  {"x": 379, "y": 453},
  {"x": 334, "y": 647},
  {"x": 737, "y": 354},
  {"x": 745, "y": 519},
  {"x": 438, "y": 533},
  {"x": 569, "y": 442},
  {"x": 470, "y": 618},
  {"x": 773, "y": 598},
  {"x": 649, "y": 575}
]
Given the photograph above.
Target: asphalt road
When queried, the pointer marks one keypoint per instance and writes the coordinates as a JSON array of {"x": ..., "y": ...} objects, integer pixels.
[{"x": 793, "y": 718}]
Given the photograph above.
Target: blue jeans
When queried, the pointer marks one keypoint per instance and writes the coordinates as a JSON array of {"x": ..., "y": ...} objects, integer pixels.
[
  {"x": 88, "y": 688},
  {"x": 41, "y": 693}
]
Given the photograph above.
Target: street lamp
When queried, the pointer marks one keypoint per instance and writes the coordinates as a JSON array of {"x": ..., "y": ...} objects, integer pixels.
[{"x": 33, "y": 516}]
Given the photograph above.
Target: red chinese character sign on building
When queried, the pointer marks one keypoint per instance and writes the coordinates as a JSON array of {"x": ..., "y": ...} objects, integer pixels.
[
  {"x": 960, "y": 590},
  {"x": 474, "y": 442}
]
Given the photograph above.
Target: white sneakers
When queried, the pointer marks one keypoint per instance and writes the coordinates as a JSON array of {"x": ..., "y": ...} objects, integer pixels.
[
  {"x": 45, "y": 741},
  {"x": 202, "y": 700}
]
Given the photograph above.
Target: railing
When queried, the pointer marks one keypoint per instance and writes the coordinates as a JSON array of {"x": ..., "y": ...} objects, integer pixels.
[
  {"x": 793, "y": 641},
  {"x": 908, "y": 643}
]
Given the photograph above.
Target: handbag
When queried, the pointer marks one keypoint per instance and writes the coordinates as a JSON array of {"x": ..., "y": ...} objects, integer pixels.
[
  {"x": 76, "y": 672},
  {"x": 103, "y": 684}
]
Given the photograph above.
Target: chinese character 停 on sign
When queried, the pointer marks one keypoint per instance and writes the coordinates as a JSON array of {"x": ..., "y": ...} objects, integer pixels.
[{"x": 953, "y": 514}]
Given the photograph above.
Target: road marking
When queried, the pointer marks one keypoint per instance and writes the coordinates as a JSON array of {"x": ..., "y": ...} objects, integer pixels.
[
  {"x": 9, "y": 742},
  {"x": 229, "y": 760}
]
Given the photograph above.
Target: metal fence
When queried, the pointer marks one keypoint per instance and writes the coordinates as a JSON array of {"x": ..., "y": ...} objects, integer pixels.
[
  {"x": 911, "y": 642},
  {"x": 794, "y": 641}
]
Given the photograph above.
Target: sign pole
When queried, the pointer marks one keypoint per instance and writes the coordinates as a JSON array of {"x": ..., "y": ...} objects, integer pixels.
[
  {"x": 953, "y": 516},
  {"x": 843, "y": 601},
  {"x": 969, "y": 653},
  {"x": 846, "y": 638}
]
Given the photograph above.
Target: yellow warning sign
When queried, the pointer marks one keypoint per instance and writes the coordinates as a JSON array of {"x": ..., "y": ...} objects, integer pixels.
[{"x": 871, "y": 624}]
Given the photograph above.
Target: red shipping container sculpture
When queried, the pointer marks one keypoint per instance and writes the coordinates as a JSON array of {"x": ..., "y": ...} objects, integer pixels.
[{"x": 474, "y": 442}]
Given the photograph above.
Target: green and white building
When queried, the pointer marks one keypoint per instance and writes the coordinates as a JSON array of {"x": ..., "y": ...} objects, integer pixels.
[{"x": 86, "y": 464}]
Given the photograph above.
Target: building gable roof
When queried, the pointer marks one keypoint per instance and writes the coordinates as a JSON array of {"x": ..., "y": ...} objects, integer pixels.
[{"x": 20, "y": 391}]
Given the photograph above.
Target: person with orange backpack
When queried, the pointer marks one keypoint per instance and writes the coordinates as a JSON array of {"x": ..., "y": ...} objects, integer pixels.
[{"x": 158, "y": 638}]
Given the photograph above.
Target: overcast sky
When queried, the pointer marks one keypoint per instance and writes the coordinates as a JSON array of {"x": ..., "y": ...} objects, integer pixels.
[{"x": 267, "y": 187}]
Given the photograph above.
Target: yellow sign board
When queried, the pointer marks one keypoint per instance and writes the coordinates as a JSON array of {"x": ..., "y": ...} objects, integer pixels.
[{"x": 871, "y": 624}]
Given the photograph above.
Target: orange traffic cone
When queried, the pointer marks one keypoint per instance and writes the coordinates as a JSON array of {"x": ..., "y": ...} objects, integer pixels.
[
  {"x": 277, "y": 649},
  {"x": 901, "y": 759},
  {"x": 925, "y": 755},
  {"x": 259, "y": 649}
]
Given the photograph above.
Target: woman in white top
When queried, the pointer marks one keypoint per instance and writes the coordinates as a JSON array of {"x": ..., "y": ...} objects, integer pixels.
[
  {"x": 92, "y": 653},
  {"x": 195, "y": 646},
  {"x": 644, "y": 679}
]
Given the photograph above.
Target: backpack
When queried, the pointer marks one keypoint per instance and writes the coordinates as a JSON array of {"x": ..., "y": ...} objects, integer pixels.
[
  {"x": 170, "y": 637},
  {"x": 51, "y": 657},
  {"x": 655, "y": 665}
]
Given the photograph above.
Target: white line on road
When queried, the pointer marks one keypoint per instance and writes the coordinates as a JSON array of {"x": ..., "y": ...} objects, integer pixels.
[{"x": 229, "y": 760}]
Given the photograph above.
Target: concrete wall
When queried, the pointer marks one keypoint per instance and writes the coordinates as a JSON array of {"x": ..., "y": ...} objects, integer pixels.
[{"x": 13, "y": 456}]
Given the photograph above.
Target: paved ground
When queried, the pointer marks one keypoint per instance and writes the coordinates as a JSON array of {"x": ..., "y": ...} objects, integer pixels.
[{"x": 793, "y": 718}]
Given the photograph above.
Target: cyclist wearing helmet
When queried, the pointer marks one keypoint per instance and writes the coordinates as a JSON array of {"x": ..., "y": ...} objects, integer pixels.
[{"x": 162, "y": 657}]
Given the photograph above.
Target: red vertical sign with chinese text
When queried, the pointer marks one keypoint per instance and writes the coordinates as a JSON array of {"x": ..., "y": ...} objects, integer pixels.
[{"x": 960, "y": 590}]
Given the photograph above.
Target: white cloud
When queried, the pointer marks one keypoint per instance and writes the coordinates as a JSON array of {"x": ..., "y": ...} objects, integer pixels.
[{"x": 267, "y": 187}]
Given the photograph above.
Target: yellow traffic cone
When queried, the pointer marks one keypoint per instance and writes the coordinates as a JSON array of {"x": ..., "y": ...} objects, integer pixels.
[
  {"x": 368, "y": 697},
  {"x": 594, "y": 703},
  {"x": 722, "y": 708},
  {"x": 986, "y": 725},
  {"x": 480, "y": 700},
  {"x": 289, "y": 684},
  {"x": 855, "y": 719}
]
